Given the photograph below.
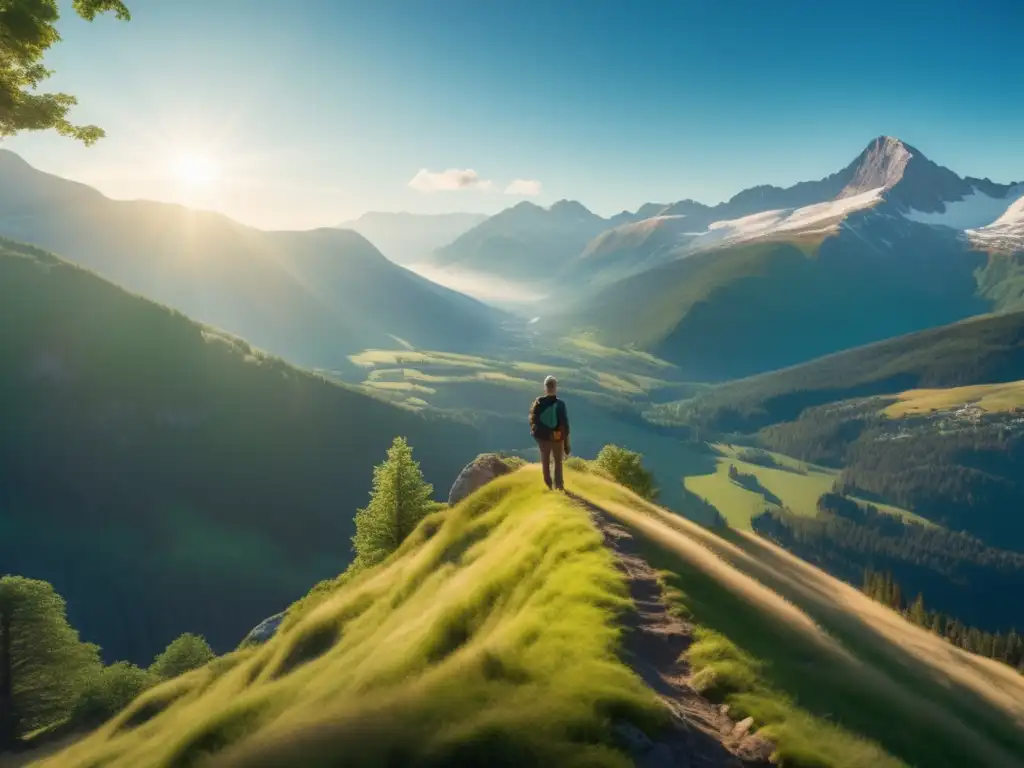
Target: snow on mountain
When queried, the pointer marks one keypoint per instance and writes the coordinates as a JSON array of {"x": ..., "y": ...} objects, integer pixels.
[
  {"x": 820, "y": 218},
  {"x": 977, "y": 209},
  {"x": 1006, "y": 232}
]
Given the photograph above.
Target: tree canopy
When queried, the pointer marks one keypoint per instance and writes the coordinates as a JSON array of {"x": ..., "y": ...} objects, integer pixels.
[
  {"x": 27, "y": 31},
  {"x": 187, "y": 652},
  {"x": 43, "y": 664}
]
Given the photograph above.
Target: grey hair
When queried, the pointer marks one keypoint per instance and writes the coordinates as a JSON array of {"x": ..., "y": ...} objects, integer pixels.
[{"x": 550, "y": 383}]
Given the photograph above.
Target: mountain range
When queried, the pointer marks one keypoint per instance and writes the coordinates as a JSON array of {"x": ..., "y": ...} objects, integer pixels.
[
  {"x": 891, "y": 244},
  {"x": 314, "y": 296},
  {"x": 410, "y": 238},
  {"x": 529, "y": 243}
]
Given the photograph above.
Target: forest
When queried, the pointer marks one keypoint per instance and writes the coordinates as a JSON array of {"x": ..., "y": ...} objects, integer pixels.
[
  {"x": 959, "y": 574},
  {"x": 1007, "y": 647},
  {"x": 964, "y": 473}
]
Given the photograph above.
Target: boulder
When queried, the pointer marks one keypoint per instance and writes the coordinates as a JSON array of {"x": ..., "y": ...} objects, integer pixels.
[
  {"x": 743, "y": 727},
  {"x": 476, "y": 474},
  {"x": 264, "y": 630}
]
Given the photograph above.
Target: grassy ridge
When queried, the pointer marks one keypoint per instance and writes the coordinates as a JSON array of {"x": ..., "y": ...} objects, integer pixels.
[
  {"x": 489, "y": 638},
  {"x": 818, "y": 648}
]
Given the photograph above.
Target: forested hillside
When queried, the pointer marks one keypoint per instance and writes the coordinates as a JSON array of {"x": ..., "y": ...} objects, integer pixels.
[
  {"x": 977, "y": 351},
  {"x": 165, "y": 476}
]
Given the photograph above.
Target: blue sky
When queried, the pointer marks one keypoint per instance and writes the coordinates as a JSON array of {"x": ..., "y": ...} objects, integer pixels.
[{"x": 309, "y": 112}]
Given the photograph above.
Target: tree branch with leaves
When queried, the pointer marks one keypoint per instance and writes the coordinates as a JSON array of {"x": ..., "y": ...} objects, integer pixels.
[{"x": 27, "y": 30}]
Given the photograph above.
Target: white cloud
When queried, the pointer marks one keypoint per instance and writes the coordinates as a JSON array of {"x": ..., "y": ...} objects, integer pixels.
[
  {"x": 451, "y": 180},
  {"x": 528, "y": 187}
]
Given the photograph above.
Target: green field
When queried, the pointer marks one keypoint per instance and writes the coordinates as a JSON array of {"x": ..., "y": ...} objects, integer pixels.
[
  {"x": 991, "y": 398},
  {"x": 798, "y": 486}
]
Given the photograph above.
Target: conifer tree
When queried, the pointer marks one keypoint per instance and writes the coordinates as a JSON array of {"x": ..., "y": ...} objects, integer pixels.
[
  {"x": 399, "y": 500},
  {"x": 917, "y": 613}
]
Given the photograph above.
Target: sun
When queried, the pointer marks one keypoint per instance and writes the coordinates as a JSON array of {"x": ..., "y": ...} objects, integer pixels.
[{"x": 195, "y": 169}]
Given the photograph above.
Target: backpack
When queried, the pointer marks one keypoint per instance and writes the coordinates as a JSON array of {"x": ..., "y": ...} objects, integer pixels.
[{"x": 549, "y": 418}]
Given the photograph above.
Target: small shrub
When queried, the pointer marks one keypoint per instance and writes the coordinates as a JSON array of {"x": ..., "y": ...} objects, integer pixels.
[
  {"x": 626, "y": 468},
  {"x": 578, "y": 464},
  {"x": 184, "y": 654},
  {"x": 513, "y": 462},
  {"x": 109, "y": 691}
]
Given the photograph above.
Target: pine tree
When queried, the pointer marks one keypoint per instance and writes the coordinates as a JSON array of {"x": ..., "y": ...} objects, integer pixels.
[
  {"x": 895, "y": 594},
  {"x": 43, "y": 664},
  {"x": 399, "y": 500},
  {"x": 917, "y": 613}
]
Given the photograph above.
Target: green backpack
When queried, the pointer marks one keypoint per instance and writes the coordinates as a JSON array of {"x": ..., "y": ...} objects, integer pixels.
[{"x": 549, "y": 416}]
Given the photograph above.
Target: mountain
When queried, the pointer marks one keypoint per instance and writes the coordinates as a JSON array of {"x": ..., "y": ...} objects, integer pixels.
[
  {"x": 314, "y": 297},
  {"x": 887, "y": 171},
  {"x": 165, "y": 476},
  {"x": 775, "y": 277},
  {"x": 410, "y": 238},
  {"x": 525, "y": 242},
  {"x": 508, "y": 609}
]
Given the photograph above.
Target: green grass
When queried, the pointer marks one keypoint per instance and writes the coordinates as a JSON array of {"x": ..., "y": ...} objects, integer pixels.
[
  {"x": 580, "y": 365},
  {"x": 726, "y": 673},
  {"x": 992, "y": 398},
  {"x": 834, "y": 679},
  {"x": 798, "y": 487},
  {"x": 489, "y": 638}
]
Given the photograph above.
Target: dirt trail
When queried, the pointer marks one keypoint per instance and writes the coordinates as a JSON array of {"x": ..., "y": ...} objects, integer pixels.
[{"x": 703, "y": 735}]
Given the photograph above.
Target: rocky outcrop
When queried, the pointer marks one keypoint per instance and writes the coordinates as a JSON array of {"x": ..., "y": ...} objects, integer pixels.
[
  {"x": 263, "y": 631},
  {"x": 479, "y": 472}
]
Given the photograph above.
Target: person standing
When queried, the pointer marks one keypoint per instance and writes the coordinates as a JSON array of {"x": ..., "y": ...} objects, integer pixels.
[{"x": 549, "y": 426}]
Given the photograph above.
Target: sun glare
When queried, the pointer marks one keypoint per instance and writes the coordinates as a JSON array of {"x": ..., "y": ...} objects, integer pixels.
[{"x": 194, "y": 170}]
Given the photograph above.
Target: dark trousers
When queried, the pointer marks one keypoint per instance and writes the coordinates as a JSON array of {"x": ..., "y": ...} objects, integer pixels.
[{"x": 551, "y": 449}]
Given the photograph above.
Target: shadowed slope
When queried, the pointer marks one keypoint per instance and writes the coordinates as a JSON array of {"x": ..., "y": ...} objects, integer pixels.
[{"x": 830, "y": 648}]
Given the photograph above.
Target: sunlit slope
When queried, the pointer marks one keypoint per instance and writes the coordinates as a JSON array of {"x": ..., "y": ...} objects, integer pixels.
[
  {"x": 828, "y": 648},
  {"x": 990, "y": 398},
  {"x": 489, "y": 639}
]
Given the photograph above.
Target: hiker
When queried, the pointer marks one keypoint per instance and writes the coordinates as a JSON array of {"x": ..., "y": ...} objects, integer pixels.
[{"x": 549, "y": 425}]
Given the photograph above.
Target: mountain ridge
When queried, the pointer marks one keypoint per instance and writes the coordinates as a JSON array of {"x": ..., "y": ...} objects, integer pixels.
[
  {"x": 146, "y": 460},
  {"x": 313, "y": 296}
]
